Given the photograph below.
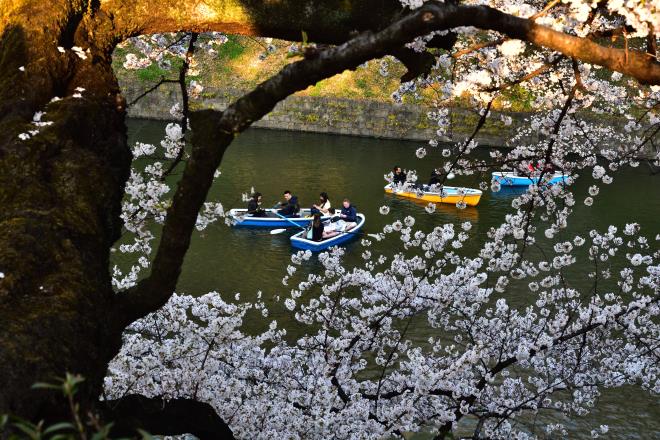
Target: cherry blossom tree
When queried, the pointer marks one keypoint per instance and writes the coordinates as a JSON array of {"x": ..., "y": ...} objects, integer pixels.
[{"x": 68, "y": 188}]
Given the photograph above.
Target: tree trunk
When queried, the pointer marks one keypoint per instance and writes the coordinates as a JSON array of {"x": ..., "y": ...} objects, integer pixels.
[{"x": 60, "y": 193}]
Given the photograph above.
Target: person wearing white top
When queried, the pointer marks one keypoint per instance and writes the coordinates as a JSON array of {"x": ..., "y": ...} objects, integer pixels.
[{"x": 324, "y": 206}]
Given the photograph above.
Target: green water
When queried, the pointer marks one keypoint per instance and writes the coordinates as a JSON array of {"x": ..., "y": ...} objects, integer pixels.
[{"x": 241, "y": 260}]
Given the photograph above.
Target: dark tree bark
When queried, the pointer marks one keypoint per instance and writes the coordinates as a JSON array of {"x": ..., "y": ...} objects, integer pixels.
[
  {"x": 60, "y": 193},
  {"x": 60, "y": 188},
  {"x": 167, "y": 417}
]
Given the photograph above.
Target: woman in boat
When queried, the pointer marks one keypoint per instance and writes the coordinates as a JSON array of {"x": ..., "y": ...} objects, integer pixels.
[
  {"x": 324, "y": 206},
  {"x": 254, "y": 206},
  {"x": 317, "y": 228}
]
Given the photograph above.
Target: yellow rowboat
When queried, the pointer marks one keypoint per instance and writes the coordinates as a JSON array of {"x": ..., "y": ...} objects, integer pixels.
[{"x": 449, "y": 194}]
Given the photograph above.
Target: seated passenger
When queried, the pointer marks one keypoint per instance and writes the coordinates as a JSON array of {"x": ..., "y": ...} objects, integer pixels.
[
  {"x": 317, "y": 228},
  {"x": 324, "y": 206},
  {"x": 436, "y": 178},
  {"x": 348, "y": 212},
  {"x": 399, "y": 177},
  {"x": 254, "y": 206},
  {"x": 290, "y": 207}
]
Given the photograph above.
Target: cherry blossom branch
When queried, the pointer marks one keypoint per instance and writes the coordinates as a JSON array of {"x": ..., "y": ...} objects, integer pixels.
[
  {"x": 185, "y": 100},
  {"x": 504, "y": 364},
  {"x": 536, "y": 72}
]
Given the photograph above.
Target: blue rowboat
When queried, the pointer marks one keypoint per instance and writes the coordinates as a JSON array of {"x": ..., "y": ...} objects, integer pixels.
[
  {"x": 300, "y": 240},
  {"x": 508, "y": 178},
  {"x": 242, "y": 219}
]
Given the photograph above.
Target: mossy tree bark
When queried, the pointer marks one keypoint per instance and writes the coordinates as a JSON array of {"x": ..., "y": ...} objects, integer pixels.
[
  {"x": 60, "y": 192},
  {"x": 61, "y": 186}
]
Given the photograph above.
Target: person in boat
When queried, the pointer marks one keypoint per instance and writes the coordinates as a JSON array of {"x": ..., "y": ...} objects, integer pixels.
[
  {"x": 317, "y": 228},
  {"x": 348, "y": 212},
  {"x": 346, "y": 220},
  {"x": 254, "y": 206},
  {"x": 436, "y": 178},
  {"x": 399, "y": 177},
  {"x": 324, "y": 206},
  {"x": 290, "y": 207}
]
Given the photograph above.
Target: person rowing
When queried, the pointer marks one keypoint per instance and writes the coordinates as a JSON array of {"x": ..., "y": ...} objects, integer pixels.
[{"x": 290, "y": 207}]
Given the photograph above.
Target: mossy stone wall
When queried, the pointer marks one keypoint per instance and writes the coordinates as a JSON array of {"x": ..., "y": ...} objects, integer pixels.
[{"x": 357, "y": 117}]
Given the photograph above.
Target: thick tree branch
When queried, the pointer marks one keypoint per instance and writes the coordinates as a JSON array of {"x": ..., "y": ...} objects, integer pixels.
[
  {"x": 164, "y": 417},
  {"x": 327, "y": 21},
  {"x": 332, "y": 22}
]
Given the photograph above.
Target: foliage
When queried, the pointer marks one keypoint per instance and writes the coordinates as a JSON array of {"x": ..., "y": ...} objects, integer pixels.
[
  {"x": 232, "y": 49},
  {"x": 77, "y": 428}
]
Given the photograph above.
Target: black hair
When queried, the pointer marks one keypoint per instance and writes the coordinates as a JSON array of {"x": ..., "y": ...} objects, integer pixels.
[
  {"x": 324, "y": 196},
  {"x": 287, "y": 192},
  {"x": 256, "y": 195},
  {"x": 331, "y": 210},
  {"x": 396, "y": 167},
  {"x": 317, "y": 220}
]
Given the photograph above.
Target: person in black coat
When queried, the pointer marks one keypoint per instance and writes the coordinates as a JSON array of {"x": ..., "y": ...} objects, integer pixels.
[
  {"x": 436, "y": 178},
  {"x": 254, "y": 206},
  {"x": 290, "y": 207},
  {"x": 399, "y": 177}
]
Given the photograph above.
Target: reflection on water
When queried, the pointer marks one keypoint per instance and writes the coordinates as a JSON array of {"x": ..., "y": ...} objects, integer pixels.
[
  {"x": 244, "y": 260},
  {"x": 509, "y": 192},
  {"x": 442, "y": 210}
]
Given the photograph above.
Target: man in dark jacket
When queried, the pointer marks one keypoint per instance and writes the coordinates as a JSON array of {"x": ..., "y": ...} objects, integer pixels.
[
  {"x": 290, "y": 207},
  {"x": 348, "y": 212}
]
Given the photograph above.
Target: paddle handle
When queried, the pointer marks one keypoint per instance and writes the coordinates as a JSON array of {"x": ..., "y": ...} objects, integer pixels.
[{"x": 293, "y": 223}]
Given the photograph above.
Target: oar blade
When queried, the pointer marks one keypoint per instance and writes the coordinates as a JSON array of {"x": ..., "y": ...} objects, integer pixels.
[{"x": 277, "y": 231}]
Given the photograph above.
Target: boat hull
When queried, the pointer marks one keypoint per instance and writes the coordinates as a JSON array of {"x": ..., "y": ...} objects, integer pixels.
[
  {"x": 449, "y": 194},
  {"x": 298, "y": 242},
  {"x": 511, "y": 179},
  {"x": 241, "y": 220}
]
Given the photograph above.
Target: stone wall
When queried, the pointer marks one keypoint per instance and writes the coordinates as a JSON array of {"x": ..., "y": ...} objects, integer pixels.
[
  {"x": 332, "y": 115},
  {"x": 345, "y": 116}
]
